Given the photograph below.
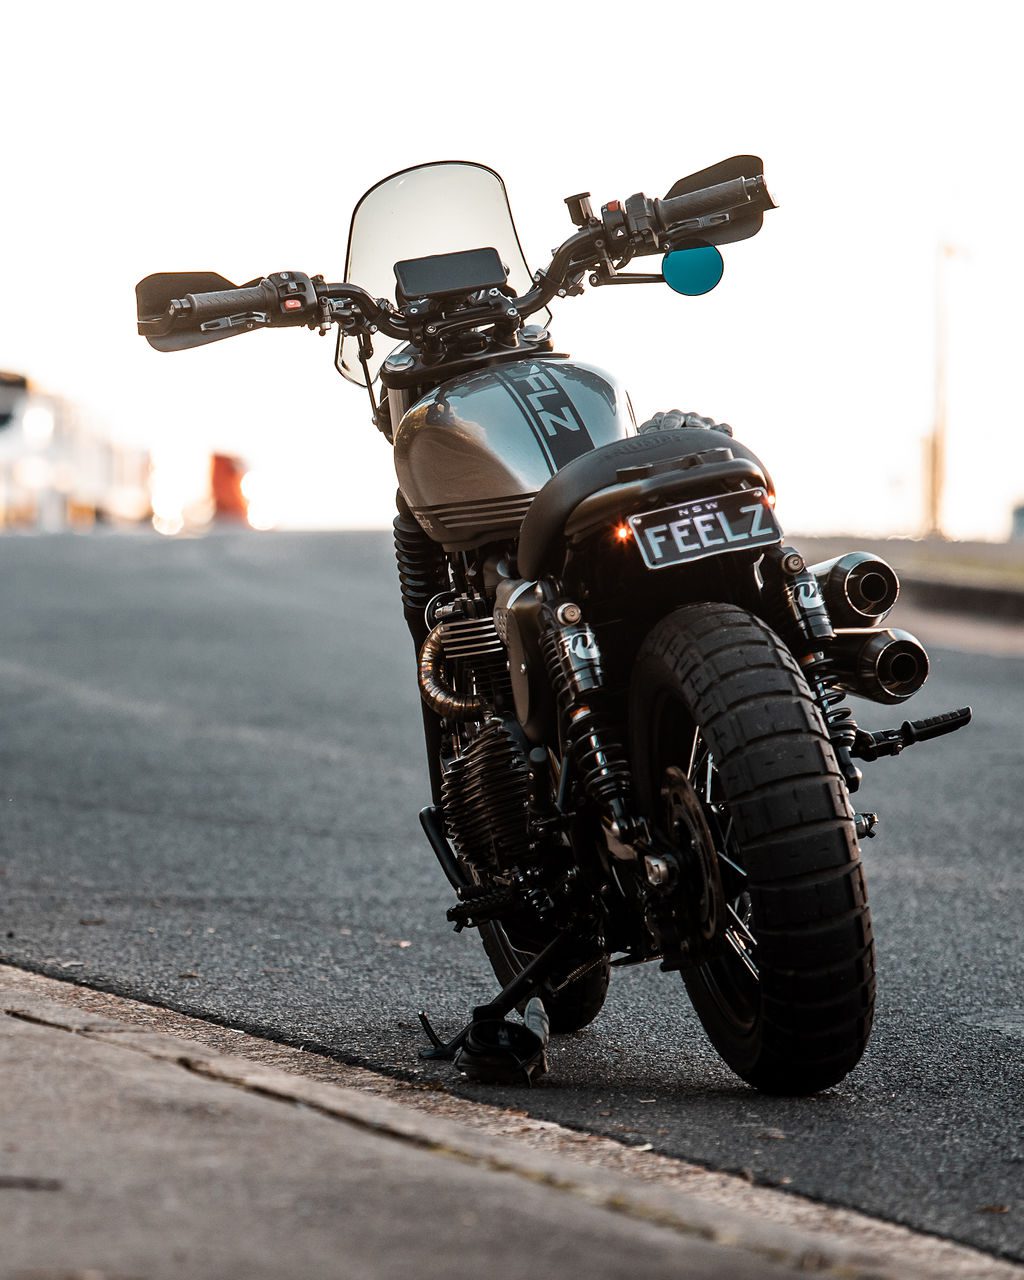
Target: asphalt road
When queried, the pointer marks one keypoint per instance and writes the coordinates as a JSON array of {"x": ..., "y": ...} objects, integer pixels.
[{"x": 211, "y": 766}]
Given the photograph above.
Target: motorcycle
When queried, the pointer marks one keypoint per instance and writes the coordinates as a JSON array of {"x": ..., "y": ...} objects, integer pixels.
[{"x": 633, "y": 688}]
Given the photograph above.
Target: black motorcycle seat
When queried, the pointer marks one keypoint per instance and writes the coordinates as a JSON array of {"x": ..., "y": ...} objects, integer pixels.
[{"x": 547, "y": 515}]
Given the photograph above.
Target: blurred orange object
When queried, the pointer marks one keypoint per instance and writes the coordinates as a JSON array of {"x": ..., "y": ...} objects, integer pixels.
[{"x": 226, "y": 475}]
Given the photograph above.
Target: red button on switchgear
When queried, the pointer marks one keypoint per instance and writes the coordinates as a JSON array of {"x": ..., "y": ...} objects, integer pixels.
[{"x": 292, "y": 304}]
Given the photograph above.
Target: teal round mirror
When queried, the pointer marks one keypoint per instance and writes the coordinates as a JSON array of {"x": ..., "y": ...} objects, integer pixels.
[{"x": 693, "y": 271}]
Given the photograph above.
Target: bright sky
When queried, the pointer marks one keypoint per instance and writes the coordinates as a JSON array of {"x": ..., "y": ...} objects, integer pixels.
[{"x": 236, "y": 137}]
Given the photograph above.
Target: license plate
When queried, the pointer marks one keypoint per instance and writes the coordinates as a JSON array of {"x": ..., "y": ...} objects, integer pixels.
[{"x": 705, "y": 527}]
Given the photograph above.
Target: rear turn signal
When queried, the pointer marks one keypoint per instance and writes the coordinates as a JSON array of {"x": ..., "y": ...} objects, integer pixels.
[{"x": 623, "y": 532}]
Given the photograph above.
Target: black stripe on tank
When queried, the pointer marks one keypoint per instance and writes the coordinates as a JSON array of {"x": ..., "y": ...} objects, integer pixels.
[
  {"x": 532, "y": 421},
  {"x": 554, "y": 418}
]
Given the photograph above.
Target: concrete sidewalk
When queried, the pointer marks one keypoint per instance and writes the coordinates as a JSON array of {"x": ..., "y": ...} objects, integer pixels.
[{"x": 127, "y": 1152}]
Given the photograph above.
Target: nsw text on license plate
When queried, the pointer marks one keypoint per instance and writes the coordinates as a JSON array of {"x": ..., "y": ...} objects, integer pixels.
[{"x": 705, "y": 527}]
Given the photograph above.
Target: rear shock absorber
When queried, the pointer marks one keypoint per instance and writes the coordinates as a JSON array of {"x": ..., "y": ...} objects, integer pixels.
[
  {"x": 573, "y": 661},
  {"x": 839, "y": 719},
  {"x": 797, "y": 609}
]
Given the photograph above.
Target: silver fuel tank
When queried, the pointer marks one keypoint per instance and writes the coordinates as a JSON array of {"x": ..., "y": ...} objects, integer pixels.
[{"x": 471, "y": 455}]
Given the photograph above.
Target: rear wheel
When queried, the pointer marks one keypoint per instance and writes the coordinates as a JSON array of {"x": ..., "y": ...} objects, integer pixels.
[{"x": 718, "y": 704}]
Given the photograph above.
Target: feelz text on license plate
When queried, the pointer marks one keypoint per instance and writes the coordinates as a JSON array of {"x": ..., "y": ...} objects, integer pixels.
[{"x": 705, "y": 527}]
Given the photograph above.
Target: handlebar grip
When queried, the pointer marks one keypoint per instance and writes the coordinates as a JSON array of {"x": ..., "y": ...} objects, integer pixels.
[
  {"x": 227, "y": 302},
  {"x": 717, "y": 199}
]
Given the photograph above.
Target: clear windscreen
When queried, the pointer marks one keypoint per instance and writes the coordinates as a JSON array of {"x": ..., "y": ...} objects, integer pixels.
[{"x": 433, "y": 208}]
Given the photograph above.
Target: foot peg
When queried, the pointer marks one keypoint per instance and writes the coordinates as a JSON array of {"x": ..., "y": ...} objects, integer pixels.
[{"x": 478, "y": 905}]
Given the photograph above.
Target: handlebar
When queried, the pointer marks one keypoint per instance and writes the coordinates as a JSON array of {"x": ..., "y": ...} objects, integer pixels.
[{"x": 168, "y": 309}]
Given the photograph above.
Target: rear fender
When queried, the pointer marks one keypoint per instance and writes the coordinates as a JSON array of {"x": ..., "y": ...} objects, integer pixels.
[
  {"x": 625, "y": 478},
  {"x": 703, "y": 477}
]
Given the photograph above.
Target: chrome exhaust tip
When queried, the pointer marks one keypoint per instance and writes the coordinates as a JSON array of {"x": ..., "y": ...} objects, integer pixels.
[
  {"x": 859, "y": 588},
  {"x": 883, "y": 664}
]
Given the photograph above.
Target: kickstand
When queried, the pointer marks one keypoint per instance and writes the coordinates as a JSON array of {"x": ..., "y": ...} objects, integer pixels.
[
  {"x": 521, "y": 986},
  {"x": 442, "y": 1050}
]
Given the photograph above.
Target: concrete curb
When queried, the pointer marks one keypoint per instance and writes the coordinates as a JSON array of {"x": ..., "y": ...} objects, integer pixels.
[{"x": 684, "y": 1214}]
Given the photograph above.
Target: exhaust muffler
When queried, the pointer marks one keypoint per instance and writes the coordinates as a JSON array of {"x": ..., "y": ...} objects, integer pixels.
[
  {"x": 882, "y": 664},
  {"x": 859, "y": 588}
]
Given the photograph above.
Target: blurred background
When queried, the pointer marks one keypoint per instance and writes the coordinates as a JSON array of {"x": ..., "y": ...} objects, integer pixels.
[{"x": 865, "y": 344}]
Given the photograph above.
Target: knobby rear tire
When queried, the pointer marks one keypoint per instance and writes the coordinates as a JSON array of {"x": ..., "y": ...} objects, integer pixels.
[{"x": 717, "y": 694}]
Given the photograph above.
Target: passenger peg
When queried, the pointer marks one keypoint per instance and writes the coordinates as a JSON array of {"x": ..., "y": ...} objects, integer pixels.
[{"x": 890, "y": 742}]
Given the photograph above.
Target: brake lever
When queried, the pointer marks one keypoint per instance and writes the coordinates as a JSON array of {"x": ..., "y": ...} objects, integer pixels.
[{"x": 247, "y": 320}]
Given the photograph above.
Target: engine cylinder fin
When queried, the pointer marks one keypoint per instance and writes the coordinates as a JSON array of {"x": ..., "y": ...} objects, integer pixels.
[
  {"x": 485, "y": 794},
  {"x": 471, "y": 638},
  {"x": 475, "y": 642}
]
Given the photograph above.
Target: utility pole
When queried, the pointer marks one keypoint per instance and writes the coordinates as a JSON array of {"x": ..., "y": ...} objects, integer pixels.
[{"x": 935, "y": 445}]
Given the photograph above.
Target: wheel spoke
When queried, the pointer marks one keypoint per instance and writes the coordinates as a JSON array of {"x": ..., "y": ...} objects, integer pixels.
[
  {"x": 703, "y": 776},
  {"x": 697, "y": 744},
  {"x": 740, "y": 950},
  {"x": 732, "y": 865},
  {"x": 742, "y": 924}
]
